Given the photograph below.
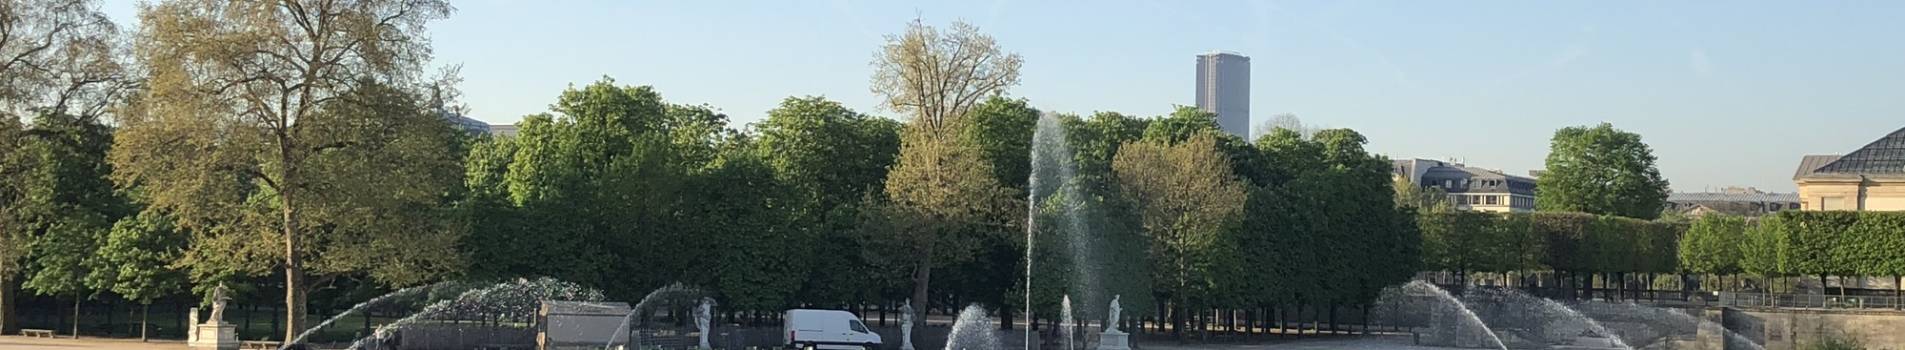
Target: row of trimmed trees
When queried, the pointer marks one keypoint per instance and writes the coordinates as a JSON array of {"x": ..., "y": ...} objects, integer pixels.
[
  {"x": 1576, "y": 247},
  {"x": 1798, "y": 243}
]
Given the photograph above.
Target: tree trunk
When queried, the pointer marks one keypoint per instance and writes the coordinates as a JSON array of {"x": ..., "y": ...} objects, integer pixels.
[
  {"x": 76, "y": 299},
  {"x": 922, "y": 278},
  {"x": 144, "y": 319},
  {"x": 7, "y": 322},
  {"x": 294, "y": 288}
]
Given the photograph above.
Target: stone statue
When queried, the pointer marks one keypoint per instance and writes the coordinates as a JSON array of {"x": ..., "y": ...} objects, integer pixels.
[
  {"x": 703, "y": 315},
  {"x": 218, "y": 305},
  {"x": 906, "y": 325},
  {"x": 1111, "y": 322}
]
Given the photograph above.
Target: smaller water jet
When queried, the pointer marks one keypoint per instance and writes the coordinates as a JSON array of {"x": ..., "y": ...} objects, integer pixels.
[{"x": 973, "y": 331}]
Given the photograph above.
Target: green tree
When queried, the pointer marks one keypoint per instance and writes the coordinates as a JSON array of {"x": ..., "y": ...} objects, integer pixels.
[
  {"x": 1712, "y": 245},
  {"x": 1808, "y": 240},
  {"x": 1426, "y": 200},
  {"x": 69, "y": 204},
  {"x": 936, "y": 77},
  {"x": 15, "y": 168},
  {"x": 1601, "y": 170},
  {"x": 1189, "y": 203},
  {"x": 234, "y": 118},
  {"x": 57, "y": 57},
  {"x": 138, "y": 257},
  {"x": 1002, "y": 129},
  {"x": 834, "y": 157},
  {"x": 603, "y": 175},
  {"x": 1759, "y": 249},
  {"x": 758, "y": 248},
  {"x": 1870, "y": 247}
]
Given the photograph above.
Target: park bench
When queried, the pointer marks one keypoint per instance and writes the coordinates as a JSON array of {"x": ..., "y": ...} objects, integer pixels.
[
  {"x": 259, "y": 345},
  {"x": 37, "y": 333}
]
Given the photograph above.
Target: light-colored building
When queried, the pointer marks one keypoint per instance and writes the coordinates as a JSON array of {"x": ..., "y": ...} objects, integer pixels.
[
  {"x": 1869, "y": 178},
  {"x": 502, "y": 130},
  {"x": 1471, "y": 188},
  {"x": 1742, "y": 201},
  {"x": 1223, "y": 88}
]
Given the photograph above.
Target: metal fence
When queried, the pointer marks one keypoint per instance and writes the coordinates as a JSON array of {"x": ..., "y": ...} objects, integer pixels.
[{"x": 1809, "y": 301}]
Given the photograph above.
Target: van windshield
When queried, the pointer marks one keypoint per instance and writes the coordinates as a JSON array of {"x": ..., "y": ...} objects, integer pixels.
[{"x": 857, "y": 326}]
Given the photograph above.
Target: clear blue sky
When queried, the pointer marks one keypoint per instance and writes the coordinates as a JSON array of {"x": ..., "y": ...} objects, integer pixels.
[{"x": 1726, "y": 92}]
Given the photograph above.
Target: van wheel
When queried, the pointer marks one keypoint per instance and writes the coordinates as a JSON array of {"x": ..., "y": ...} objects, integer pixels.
[{"x": 809, "y": 347}]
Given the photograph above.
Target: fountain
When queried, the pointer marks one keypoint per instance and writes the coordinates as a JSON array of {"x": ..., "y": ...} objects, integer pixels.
[
  {"x": 355, "y": 309},
  {"x": 672, "y": 290},
  {"x": 1468, "y": 329},
  {"x": 1065, "y": 321},
  {"x": 1553, "y": 322},
  {"x": 509, "y": 300},
  {"x": 973, "y": 331}
]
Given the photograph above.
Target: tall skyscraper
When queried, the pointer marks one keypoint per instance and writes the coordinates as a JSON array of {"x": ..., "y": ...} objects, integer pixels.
[{"x": 1223, "y": 87}]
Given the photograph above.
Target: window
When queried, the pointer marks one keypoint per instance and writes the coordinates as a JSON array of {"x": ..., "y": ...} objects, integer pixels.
[
  {"x": 1461, "y": 199},
  {"x": 1492, "y": 200},
  {"x": 1448, "y": 183},
  {"x": 857, "y": 326},
  {"x": 1832, "y": 203}
]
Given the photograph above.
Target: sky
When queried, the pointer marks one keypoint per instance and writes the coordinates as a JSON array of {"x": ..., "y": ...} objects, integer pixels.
[{"x": 1727, "y": 93}]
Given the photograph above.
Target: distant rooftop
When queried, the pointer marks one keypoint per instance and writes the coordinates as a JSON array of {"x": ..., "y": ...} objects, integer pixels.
[
  {"x": 1885, "y": 156},
  {"x": 1684, "y": 197},
  {"x": 1222, "y": 52}
]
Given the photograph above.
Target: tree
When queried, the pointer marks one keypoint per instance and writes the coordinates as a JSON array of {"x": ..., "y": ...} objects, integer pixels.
[
  {"x": 1759, "y": 249},
  {"x": 291, "y": 103},
  {"x": 1870, "y": 247},
  {"x": 1712, "y": 245},
  {"x": 1601, "y": 170},
  {"x": 835, "y": 157},
  {"x": 936, "y": 77},
  {"x": 1002, "y": 128},
  {"x": 942, "y": 202},
  {"x": 1286, "y": 121},
  {"x": 1425, "y": 200},
  {"x": 15, "y": 167},
  {"x": 1189, "y": 203},
  {"x": 69, "y": 204},
  {"x": 139, "y": 254},
  {"x": 56, "y": 58},
  {"x": 242, "y": 88},
  {"x": 758, "y": 246},
  {"x": 603, "y": 176}
]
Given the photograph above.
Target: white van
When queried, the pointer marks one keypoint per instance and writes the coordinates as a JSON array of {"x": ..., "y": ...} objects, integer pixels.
[{"x": 828, "y": 329}]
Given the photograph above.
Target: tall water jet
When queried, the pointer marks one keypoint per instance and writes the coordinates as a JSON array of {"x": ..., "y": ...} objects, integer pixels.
[
  {"x": 1065, "y": 321},
  {"x": 973, "y": 331},
  {"x": 1052, "y": 171},
  {"x": 354, "y": 310}
]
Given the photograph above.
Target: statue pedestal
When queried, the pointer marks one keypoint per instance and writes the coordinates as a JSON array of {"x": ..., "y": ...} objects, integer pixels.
[
  {"x": 1114, "y": 340},
  {"x": 222, "y": 336}
]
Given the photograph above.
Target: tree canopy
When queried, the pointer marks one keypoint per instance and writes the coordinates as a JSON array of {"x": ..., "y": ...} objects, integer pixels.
[{"x": 1601, "y": 170}]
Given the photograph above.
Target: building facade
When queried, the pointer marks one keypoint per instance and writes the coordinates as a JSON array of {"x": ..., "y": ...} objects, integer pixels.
[
  {"x": 1869, "y": 178},
  {"x": 1745, "y": 201},
  {"x": 1223, "y": 88},
  {"x": 1471, "y": 188}
]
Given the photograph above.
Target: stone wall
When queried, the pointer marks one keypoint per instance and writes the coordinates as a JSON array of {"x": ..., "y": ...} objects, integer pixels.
[{"x": 1793, "y": 329}]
